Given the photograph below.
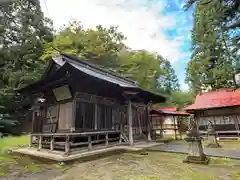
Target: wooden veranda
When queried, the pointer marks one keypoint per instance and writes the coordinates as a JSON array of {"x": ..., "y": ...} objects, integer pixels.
[{"x": 77, "y": 105}]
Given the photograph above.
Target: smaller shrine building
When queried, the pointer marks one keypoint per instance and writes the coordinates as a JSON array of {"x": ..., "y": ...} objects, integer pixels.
[
  {"x": 221, "y": 108},
  {"x": 167, "y": 121}
]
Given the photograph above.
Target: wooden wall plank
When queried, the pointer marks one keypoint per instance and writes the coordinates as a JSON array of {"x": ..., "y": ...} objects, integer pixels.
[{"x": 65, "y": 116}]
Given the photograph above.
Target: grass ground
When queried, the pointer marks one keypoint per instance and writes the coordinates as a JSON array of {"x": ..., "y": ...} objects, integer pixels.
[
  {"x": 13, "y": 166},
  {"x": 153, "y": 166},
  {"x": 127, "y": 166},
  {"x": 11, "y": 142}
]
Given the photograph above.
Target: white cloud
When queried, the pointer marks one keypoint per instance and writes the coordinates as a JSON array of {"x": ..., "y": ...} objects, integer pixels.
[{"x": 141, "y": 23}]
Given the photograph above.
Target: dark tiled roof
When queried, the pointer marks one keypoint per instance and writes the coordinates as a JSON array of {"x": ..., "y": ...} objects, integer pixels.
[{"x": 68, "y": 61}]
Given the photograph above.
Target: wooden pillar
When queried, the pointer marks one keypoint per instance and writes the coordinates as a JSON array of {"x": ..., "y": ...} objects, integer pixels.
[
  {"x": 95, "y": 116},
  {"x": 33, "y": 121},
  {"x": 130, "y": 123},
  {"x": 89, "y": 142},
  {"x": 121, "y": 132},
  {"x": 30, "y": 140},
  {"x": 238, "y": 122},
  {"x": 106, "y": 138},
  {"x": 161, "y": 125},
  {"x": 237, "y": 125},
  {"x": 148, "y": 123},
  {"x": 139, "y": 122},
  {"x": 67, "y": 145},
  {"x": 179, "y": 123},
  {"x": 40, "y": 143},
  {"x": 52, "y": 143},
  {"x": 196, "y": 122},
  {"x": 175, "y": 130}
]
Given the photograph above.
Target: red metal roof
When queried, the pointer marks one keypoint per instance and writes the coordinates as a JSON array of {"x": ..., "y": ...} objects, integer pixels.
[{"x": 216, "y": 99}]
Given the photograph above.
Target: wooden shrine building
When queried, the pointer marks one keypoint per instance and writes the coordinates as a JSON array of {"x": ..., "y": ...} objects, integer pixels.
[
  {"x": 78, "y": 105},
  {"x": 221, "y": 108},
  {"x": 167, "y": 121}
]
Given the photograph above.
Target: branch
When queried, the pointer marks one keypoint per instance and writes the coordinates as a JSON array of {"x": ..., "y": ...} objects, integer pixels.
[{"x": 233, "y": 26}]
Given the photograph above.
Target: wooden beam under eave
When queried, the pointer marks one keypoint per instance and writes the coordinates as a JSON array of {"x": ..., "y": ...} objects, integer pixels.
[{"x": 130, "y": 123}]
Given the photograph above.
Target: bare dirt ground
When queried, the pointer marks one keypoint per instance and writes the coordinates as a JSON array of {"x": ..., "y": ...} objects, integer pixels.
[
  {"x": 126, "y": 166},
  {"x": 154, "y": 166}
]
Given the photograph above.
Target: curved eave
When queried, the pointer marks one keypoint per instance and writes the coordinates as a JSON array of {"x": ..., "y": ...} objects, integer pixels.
[
  {"x": 147, "y": 95},
  {"x": 171, "y": 113}
]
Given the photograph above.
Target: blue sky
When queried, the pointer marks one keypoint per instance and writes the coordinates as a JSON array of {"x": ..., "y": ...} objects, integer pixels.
[{"x": 160, "y": 26}]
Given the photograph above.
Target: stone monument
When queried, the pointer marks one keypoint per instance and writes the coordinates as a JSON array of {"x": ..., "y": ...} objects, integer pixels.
[
  {"x": 212, "y": 136},
  {"x": 195, "y": 148}
]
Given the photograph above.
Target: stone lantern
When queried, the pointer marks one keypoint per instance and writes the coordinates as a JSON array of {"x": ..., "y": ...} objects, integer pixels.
[
  {"x": 195, "y": 148},
  {"x": 212, "y": 136}
]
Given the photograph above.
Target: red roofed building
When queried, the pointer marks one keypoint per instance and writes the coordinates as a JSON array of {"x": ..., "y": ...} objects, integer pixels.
[
  {"x": 167, "y": 121},
  {"x": 221, "y": 107}
]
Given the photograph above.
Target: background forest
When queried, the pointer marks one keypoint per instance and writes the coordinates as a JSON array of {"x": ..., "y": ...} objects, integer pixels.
[{"x": 28, "y": 40}]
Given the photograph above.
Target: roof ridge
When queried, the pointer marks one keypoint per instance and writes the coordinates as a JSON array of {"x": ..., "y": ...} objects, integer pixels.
[
  {"x": 219, "y": 90},
  {"x": 97, "y": 67}
]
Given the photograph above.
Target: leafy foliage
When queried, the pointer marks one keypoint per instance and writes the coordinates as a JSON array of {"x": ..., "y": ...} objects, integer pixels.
[
  {"x": 169, "y": 80},
  {"x": 23, "y": 33},
  {"x": 100, "y": 45},
  {"x": 178, "y": 99},
  {"x": 143, "y": 67},
  {"x": 214, "y": 53},
  {"x": 105, "y": 47}
]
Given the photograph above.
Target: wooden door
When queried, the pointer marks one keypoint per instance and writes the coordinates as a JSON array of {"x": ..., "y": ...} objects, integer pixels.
[{"x": 65, "y": 116}]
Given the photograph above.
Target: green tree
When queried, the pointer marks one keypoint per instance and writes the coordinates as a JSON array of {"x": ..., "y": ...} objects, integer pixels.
[
  {"x": 230, "y": 8},
  {"x": 169, "y": 81},
  {"x": 143, "y": 67},
  {"x": 23, "y": 33},
  {"x": 182, "y": 99},
  {"x": 178, "y": 99},
  {"x": 100, "y": 45},
  {"x": 212, "y": 61},
  {"x": 105, "y": 47}
]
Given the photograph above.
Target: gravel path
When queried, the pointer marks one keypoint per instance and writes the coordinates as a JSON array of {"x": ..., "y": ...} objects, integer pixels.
[{"x": 183, "y": 148}]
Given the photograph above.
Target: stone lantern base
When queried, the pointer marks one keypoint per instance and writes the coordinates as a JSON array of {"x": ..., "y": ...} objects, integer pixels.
[
  {"x": 195, "y": 151},
  {"x": 203, "y": 159}
]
